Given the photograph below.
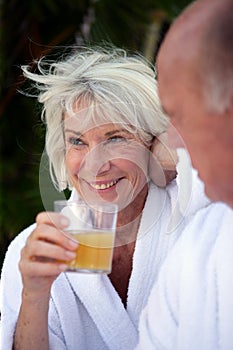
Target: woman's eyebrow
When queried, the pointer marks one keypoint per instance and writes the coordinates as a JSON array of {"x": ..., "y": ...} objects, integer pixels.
[
  {"x": 108, "y": 133},
  {"x": 112, "y": 132},
  {"x": 77, "y": 133}
]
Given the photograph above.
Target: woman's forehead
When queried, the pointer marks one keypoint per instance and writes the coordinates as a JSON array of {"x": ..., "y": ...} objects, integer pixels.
[
  {"x": 76, "y": 124},
  {"x": 84, "y": 117},
  {"x": 102, "y": 112}
]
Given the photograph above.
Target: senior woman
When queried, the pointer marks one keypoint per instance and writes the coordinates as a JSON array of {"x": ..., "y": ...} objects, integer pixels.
[{"x": 102, "y": 113}]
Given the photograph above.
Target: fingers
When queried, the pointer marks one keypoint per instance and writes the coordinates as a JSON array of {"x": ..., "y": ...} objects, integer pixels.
[
  {"x": 48, "y": 225},
  {"x": 166, "y": 156},
  {"x": 54, "y": 219},
  {"x": 163, "y": 161},
  {"x": 48, "y": 245},
  {"x": 45, "y": 251},
  {"x": 170, "y": 175},
  {"x": 52, "y": 235},
  {"x": 40, "y": 269},
  {"x": 46, "y": 254}
]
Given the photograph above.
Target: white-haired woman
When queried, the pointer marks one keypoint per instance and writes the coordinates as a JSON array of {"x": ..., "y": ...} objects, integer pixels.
[{"x": 102, "y": 114}]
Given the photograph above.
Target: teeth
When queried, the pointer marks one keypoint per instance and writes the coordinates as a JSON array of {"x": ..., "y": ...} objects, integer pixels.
[{"x": 103, "y": 186}]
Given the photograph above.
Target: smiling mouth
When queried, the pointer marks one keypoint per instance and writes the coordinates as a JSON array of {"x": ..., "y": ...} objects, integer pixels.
[{"x": 103, "y": 186}]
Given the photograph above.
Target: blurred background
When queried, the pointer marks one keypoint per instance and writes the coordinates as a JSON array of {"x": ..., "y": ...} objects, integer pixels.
[{"x": 30, "y": 29}]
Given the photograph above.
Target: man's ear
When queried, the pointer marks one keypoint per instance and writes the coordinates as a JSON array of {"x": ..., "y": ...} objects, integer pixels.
[{"x": 163, "y": 161}]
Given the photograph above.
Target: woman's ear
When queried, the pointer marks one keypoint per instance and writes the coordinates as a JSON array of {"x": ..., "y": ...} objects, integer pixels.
[{"x": 163, "y": 161}]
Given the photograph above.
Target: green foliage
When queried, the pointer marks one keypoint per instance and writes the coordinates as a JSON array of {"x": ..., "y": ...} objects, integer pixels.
[
  {"x": 173, "y": 8},
  {"x": 122, "y": 22}
]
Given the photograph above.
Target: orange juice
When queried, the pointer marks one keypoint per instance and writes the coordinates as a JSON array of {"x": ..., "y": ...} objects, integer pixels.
[{"x": 94, "y": 252}]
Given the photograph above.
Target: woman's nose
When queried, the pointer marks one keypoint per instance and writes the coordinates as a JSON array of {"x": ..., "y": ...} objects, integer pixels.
[{"x": 96, "y": 161}]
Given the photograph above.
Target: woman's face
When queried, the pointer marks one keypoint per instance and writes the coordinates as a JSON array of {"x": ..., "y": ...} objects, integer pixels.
[{"x": 105, "y": 162}]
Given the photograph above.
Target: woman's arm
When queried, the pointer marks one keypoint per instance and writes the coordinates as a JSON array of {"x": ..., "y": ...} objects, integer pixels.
[
  {"x": 39, "y": 266},
  {"x": 32, "y": 325}
]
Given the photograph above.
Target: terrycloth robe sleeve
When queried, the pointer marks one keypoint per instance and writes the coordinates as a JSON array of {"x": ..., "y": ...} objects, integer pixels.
[
  {"x": 10, "y": 294},
  {"x": 10, "y": 290},
  {"x": 191, "y": 304}
]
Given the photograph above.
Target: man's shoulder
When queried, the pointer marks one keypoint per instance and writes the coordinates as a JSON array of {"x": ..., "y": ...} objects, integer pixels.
[
  {"x": 214, "y": 216},
  {"x": 210, "y": 229}
]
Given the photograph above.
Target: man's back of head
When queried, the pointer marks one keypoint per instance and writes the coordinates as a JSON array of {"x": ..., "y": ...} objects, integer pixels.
[{"x": 195, "y": 79}]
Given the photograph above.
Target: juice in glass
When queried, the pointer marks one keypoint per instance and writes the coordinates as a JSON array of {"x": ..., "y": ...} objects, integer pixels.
[{"x": 94, "y": 252}]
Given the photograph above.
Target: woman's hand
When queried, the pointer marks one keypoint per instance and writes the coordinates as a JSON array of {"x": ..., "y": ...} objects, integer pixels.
[
  {"x": 45, "y": 254},
  {"x": 163, "y": 161},
  {"x": 43, "y": 258}
]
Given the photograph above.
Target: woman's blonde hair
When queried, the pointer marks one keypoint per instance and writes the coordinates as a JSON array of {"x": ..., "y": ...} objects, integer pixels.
[{"x": 116, "y": 87}]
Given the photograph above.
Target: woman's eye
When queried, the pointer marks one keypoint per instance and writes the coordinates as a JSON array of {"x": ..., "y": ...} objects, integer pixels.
[
  {"x": 117, "y": 139},
  {"x": 75, "y": 141}
]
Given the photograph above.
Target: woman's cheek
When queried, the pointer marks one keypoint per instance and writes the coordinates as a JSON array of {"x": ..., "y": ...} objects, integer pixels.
[
  {"x": 73, "y": 162},
  {"x": 142, "y": 160}
]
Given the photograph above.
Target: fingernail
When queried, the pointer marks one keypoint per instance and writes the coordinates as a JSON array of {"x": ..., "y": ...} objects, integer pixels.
[
  {"x": 62, "y": 267},
  {"x": 73, "y": 243},
  {"x": 70, "y": 255}
]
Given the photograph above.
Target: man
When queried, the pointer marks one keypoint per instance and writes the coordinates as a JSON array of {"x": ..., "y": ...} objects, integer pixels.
[
  {"x": 191, "y": 305},
  {"x": 195, "y": 80}
]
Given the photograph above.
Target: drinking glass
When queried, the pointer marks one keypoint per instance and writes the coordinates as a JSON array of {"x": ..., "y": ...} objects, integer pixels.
[{"x": 94, "y": 227}]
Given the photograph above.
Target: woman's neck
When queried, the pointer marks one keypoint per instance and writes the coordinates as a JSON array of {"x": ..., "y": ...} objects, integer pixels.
[{"x": 129, "y": 219}]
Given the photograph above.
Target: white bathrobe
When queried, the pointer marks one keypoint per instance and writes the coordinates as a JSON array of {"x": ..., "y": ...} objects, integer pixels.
[
  {"x": 85, "y": 311},
  {"x": 191, "y": 304}
]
